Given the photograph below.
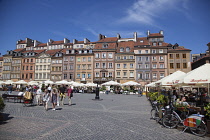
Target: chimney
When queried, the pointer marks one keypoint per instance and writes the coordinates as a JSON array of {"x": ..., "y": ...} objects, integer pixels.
[
  {"x": 161, "y": 32},
  {"x": 50, "y": 41},
  {"x": 118, "y": 36},
  {"x": 148, "y": 32},
  {"x": 74, "y": 41},
  {"x": 135, "y": 36},
  {"x": 65, "y": 40},
  {"x": 86, "y": 40},
  {"x": 100, "y": 36}
]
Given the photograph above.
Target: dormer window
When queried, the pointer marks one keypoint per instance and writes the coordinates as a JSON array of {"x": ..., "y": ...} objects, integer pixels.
[
  {"x": 121, "y": 49},
  {"x": 90, "y": 51},
  {"x": 160, "y": 44},
  {"x": 80, "y": 51},
  {"x": 85, "y": 51},
  {"x": 154, "y": 44},
  {"x": 127, "y": 49},
  {"x": 141, "y": 41},
  {"x": 105, "y": 45},
  {"x": 72, "y": 51}
]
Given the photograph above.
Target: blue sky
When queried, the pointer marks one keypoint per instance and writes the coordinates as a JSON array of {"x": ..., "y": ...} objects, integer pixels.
[{"x": 185, "y": 22}]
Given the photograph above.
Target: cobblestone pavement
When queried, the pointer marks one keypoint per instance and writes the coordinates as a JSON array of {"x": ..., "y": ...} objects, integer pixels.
[{"x": 116, "y": 117}]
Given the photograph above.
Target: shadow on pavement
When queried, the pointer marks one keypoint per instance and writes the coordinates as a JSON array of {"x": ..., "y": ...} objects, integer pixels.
[{"x": 4, "y": 118}]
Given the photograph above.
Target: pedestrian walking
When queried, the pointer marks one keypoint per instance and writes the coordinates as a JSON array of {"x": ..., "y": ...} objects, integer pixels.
[
  {"x": 46, "y": 98},
  {"x": 140, "y": 92},
  {"x": 62, "y": 91},
  {"x": 38, "y": 96},
  {"x": 49, "y": 88},
  {"x": 70, "y": 94},
  {"x": 54, "y": 95},
  {"x": 10, "y": 87}
]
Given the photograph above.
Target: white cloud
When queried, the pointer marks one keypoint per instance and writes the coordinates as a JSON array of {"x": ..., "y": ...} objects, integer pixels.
[{"x": 148, "y": 11}]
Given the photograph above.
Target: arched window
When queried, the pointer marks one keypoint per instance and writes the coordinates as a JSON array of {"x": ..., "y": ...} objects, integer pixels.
[{"x": 121, "y": 49}]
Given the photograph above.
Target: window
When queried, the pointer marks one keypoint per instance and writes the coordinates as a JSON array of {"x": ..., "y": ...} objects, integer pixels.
[
  {"x": 89, "y": 75},
  {"x": 103, "y": 55},
  {"x": 154, "y": 66},
  {"x": 110, "y": 55},
  {"x": 110, "y": 65},
  {"x": 140, "y": 76},
  {"x": 89, "y": 59},
  {"x": 110, "y": 74},
  {"x": 131, "y": 65},
  {"x": 118, "y": 66},
  {"x": 177, "y": 56},
  {"x": 118, "y": 74},
  {"x": 171, "y": 65},
  {"x": 184, "y": 55},
  {"x": 161, "y": 58},
  {"x": 78, "y": 59},
  {"x": 161, "y": 75},
  {"x": 160, "y": 43},
  {"x": 97, "y": 55},
  {"x": 161, "y": 51},
  {"x": 124, "y": 66},
  {"x": 170, "y": 56},
  {"x": 105, "y": 45},
  {"x": 103, "y": 74},
  {"x": 154, "y": 44},
  {"x": 139, "y": 51},
  {"x": 83, "y": 59},
  {"x": 97, "y": 65},
  {"x": 127, "y": 49},
  {"x": 65, "y": 76},
  {"x": 161, "y": 66},
  {"x": 131, "y": 57},
  {"x": 139, "y": 58},
  {"x": 78, "y": 75},
  {"x": 125, "y": 57},
  {"x": 154, "y": 58},
  {"x": 139, "y": 66},
  {"x": 71, "y": 67},
  {"x": 146, "y": 51},
  {"x": 147, "y": 75},
  {"x": 184, "y": 65},
  {"x": 83, "y": 66},
  {"x": 97, "y": 74},
  {"x": 70, "y": 76},
  {"x": 153, "y": 51},
  {"x": 121, "y": 49},
  {"x": 147, "y": 66},
  {"x": 154, "y": 75},
  {"x": 31, "y": 67},
  {"x": 83, "y": 75},
  {"x": 103, "y": 65},
  {"x": 124, "y": 74},
  {"x": 131, "y": 74},
  {"x": 147, "y": 58},
  {"x": 178, "y": 65},
  {"x": 78, "y": 67},
  {"x": 89, "y": 66}
]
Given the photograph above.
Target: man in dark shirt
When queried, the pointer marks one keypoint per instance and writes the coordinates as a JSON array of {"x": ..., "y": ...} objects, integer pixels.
[{"x": 10, "y": 89}]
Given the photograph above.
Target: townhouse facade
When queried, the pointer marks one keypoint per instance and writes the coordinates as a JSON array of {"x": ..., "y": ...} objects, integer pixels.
[
  {"x": 141, "y": 59},
  {"x": 1, "y": 67}
]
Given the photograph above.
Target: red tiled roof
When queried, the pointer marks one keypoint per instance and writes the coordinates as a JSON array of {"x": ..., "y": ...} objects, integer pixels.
[
  {"x": 109, "y": 39},
  {"x": 18, "y": 50},
  {"x": 155, "y": 34},
  {"x": 22, "y": 42},
  {"x": 42, "y": 45},
  {"x": 180, "y": 49},
  {"x": 1, "y": 58},
  {"x": 57, "y": 42},
  {"x": 52, "y": 52},
  {"x": 124, "y": 45},
  {"x": 110, "y": 46},
  {"x": 79, "y": 42}
]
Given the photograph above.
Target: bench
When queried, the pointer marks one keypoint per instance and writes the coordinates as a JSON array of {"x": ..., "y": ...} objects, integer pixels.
[{"x": 14, "y": 97}]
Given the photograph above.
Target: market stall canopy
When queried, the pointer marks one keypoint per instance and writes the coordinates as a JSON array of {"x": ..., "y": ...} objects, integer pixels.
[
  {"x": 48, "y": 82},
  {"x": 172, "y": 78},
  {"x": 33, "y": 83},
  {"x": 150, "y": 84},
  {"x": 21, "y": 82},
  {"x": 199, "y": 75},
  {"x": 131, "y": 83},
  {"x": 111, "y": 83},
  {"x": 62, "y": 82},
  {"x": 8, "y": 82},
  {"x": 91, "y": 85}
]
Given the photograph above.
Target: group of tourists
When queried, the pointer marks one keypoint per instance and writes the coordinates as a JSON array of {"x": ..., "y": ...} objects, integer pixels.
[{"x": 55, "y": 95}]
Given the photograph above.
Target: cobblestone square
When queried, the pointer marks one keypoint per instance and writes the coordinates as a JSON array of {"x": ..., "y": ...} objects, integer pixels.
[{"x": 120, "y": 117}]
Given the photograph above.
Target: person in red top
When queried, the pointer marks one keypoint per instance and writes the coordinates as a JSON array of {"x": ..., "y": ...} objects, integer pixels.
[{"x": 69, "y": 94}]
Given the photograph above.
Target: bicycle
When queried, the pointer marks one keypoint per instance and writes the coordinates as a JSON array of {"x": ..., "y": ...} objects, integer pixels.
[
  {"x": 193, "y": 122},
  {"x": 156, "y": 112}
]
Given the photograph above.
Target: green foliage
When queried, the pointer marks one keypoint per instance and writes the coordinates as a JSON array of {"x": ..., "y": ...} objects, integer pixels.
[
  {"x": 180, "y": 107},
  {"x": 125, "y": 89},
  {"x": 162, "y": 99},
  {"x": 2, "y": 105},
  {"x": 102, "y": 88},
  {"x": 43, "y": 87},
  {"x": 207, "y": 108},
  {"x": 153, "y": 96}
]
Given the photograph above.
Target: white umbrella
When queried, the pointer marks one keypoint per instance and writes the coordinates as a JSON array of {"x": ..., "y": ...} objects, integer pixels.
[
  {"x": 33, "y": 83},
  {"x": 48, "y": 82},
  {"x": 62, "y": 82},
  {"x": 21, "y": 82},
  {"x": 131, "y": 83},
  {"x": 91, "y": 85},
  {"x": 150, "y": 84},
  {"x": 111, "y": 83},
  {"x": 172, "y": 78},
  {"x": 9, "y": 82},
  {"x": 2, "y": 82}
]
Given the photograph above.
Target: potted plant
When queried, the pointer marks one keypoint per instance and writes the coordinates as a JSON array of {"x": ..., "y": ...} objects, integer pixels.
[
  {"x": 2, "y": 106},
  {"x": 207, "y": 116}
]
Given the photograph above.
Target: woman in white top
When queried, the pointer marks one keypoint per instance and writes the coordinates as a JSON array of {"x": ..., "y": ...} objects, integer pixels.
[{"x": 49, "y": 88}]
